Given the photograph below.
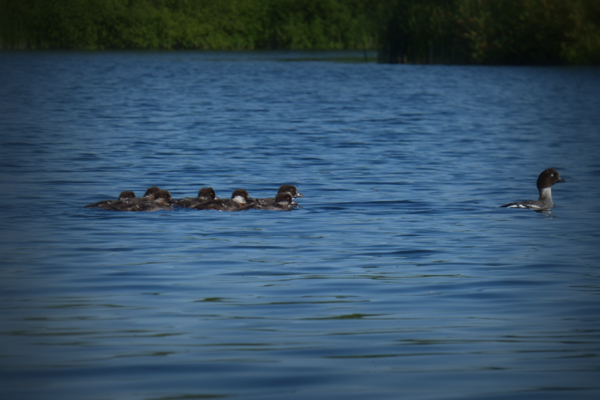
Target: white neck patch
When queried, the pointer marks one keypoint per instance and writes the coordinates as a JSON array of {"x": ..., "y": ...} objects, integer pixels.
[{"x": 546, "y": 193}]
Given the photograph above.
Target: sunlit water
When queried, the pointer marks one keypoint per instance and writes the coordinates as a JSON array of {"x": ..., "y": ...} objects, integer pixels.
[{"x": 399, "y": 276}]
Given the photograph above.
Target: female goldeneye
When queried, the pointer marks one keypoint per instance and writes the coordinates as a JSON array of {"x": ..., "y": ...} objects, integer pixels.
[
  {"x": 269, "y": 201},
  {"x": 204, "y": 195},
  {"x": 125, "y": 195},
  {"x": 240, "y": 200},
  {"x": 544, "y": 184},
  {"x": 282, "y": 202}
]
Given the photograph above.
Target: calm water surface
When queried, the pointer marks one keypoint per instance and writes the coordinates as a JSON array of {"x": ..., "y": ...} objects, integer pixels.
[{"x": 399, "y": 277}]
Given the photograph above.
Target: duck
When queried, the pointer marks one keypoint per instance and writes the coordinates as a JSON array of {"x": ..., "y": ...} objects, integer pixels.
[
  {"x": 282, "y": 202},
  {"x": 151, "y": 192},
  {"x": 154, "y": 199},
  {"x": 240, "y": 200},
  {"x": 204, "y": 194},
  {"x": 125, "y": 195},
  {"x": 269, "y": 201},
  {"x": 544, "y": 184},
  {"x": 162, "y": 201}
]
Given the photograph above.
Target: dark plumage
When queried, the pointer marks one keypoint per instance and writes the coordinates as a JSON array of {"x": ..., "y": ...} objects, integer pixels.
[
  {"x": 204, "y": 195},
  {"x": 125, "y": 195},
  {"x": 151, "y": 192},
  {"x": 262, "y": 204},
  {"x": 153, "y": 200},
  {"x": 282, "y": 202},
  {"x": 157, "y": 200},
  {"x": 240, "y": 200}
]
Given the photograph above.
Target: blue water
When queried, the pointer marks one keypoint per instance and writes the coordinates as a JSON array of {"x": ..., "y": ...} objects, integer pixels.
[{"x": 399, "y": 277}]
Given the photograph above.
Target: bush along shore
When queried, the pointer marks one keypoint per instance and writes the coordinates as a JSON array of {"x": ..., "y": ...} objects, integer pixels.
[{"x": 551, "y": 32}]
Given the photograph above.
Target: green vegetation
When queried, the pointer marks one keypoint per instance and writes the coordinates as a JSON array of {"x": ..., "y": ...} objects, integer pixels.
[
  {"x": 412, "y": 31},
  {"x": 492, "y": 32},
  {"x": 186, "y": 24}
]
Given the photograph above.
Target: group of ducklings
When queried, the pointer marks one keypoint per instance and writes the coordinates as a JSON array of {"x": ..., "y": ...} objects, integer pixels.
[{"x": 160, "y": 199}]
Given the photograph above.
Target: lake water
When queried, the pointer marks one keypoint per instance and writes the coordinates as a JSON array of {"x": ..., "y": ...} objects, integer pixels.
[{"x": 399, "y": 277}]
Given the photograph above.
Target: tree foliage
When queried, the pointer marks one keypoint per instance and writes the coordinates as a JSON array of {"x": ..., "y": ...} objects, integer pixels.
[
  {"x": 492, "y": 32},
  {"x": 404, "y": 31},
  {"x": 189, "y": 24}
]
